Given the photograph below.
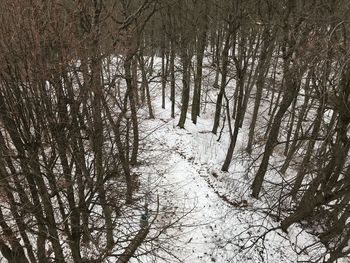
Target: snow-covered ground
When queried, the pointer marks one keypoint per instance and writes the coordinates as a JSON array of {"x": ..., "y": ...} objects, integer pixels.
[{"x": 210, "y": 214}]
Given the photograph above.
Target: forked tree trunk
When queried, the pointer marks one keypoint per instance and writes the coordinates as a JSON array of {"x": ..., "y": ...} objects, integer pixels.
[
  {"x": 239, "y": 115},
  {"x": 133, "y": 109},
  {"x": 291, "y": 92},
  {"x": 224, "y": 69},
  {"x": 145, "y": 86},
  {"x": 262, "y": 71}
]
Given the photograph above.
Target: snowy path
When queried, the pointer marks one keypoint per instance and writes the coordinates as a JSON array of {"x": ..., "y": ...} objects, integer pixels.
[
  {"x": 205, "y": 226},
  {"x": 207, "y": 220},
  {"x": 184, "y": 191}
]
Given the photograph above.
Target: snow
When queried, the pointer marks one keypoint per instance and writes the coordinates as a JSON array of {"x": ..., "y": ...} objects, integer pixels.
[{"x": 212, "y": 216}]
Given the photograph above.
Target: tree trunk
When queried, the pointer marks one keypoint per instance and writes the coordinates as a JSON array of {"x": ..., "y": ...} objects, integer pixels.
[
  {"x": 224, "y": 69},
  {"x": 291, "y": 92},
  {"x": 185, "y": 58},
  {"x": 201, "y": 43},
  {"x": 164, "y": 77},
  {"x": 239, "y": 115},
  {"x": 133, "y": 109},
  {"x": 172, "y": 79},
  {"x": 302, "y": 115},
  {"x": 145, "y": 86}
]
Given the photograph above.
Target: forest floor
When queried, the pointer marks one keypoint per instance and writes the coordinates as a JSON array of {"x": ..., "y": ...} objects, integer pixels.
[{"x": 210, "y": 214}]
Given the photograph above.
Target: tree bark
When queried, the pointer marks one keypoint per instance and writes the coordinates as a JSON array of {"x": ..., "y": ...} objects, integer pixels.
[
  {"x": 291, "y": 92},
  {"x": 224, "y": 69}
]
